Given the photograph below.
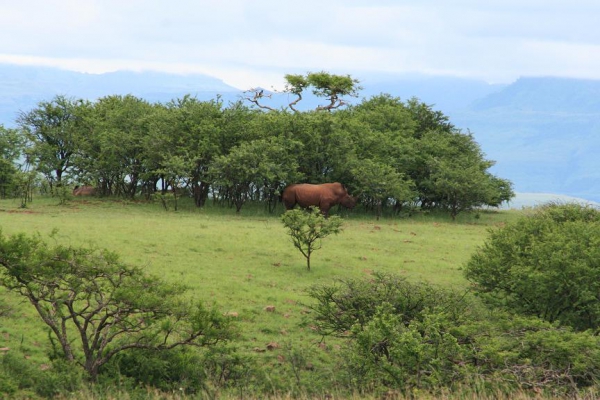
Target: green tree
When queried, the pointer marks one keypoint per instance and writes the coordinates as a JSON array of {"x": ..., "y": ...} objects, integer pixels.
[
  {"x": 427, "y": 119},
  {"x": 459, "y": 185},
  {"x": 279, "y": 131},
  {"x": 50, "y": 130},
  {"x": 501, "y": 191},
  {"x": 329, "y": 86},
  {"x": 253, "y": 166},
  {"x": 112, "y": 133},
  {"x": 452, "y": 173},
  {"x": 192, "y": 131},
  {"x": 11, "y": 149},
  {"x": 377, "y": 182},
  {"x": 97, "y": 307},
  {"x": 546, "y": 264},
  {"x": 308, "y": 228},
  {"x": 328, "y": 149}
]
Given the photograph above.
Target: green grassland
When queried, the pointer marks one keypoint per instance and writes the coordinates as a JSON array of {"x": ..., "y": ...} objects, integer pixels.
[{"x": 245, "y": 262}]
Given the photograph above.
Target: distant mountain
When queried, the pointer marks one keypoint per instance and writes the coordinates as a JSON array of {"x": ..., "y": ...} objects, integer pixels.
[
  {"x": 543, "y": 132},
  {"x": 23, "y": 87},
  {"x": 545, "y": 95},
  {"x": 448, "y": 94}
]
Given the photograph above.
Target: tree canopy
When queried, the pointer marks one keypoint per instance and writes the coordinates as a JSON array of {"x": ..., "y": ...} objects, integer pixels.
[
  {"x": 393, "y": 154},
  {"x": 546, "y": 264}
]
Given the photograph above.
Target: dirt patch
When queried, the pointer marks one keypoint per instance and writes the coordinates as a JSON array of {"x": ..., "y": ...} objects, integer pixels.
[{"x": 20, "y": 211}]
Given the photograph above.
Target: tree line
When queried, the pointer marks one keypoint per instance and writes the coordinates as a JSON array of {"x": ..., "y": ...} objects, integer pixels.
[{"x": 393, "y": 154}]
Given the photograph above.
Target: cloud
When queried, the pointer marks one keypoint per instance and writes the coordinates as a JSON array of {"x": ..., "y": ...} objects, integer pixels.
[{"x": 250, "y": 43}]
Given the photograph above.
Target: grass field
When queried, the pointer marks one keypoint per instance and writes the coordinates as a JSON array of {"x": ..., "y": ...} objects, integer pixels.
[{"x": 246, "y": 262}]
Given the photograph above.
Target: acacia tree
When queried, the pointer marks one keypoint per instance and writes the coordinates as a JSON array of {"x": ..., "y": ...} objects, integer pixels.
[
  {"x": 97, "y": 307},
  {"x": 308, "y": 228},
  {"x": 329, "y": 86}
]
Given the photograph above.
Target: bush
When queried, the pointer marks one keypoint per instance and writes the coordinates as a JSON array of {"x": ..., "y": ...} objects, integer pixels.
[
  {"x": 545, "y": 265},
  {"x": 175, "y": 370},
  {"x": 425, "y": 354},
  {"x": 20, "y": 376},
  {"x": 402, "y": 335},
  {"x": 526, "y": 353},
  {"x": 97, "y": 306},
  {"x": 415, "y": 338},
  {"x": 348, "y": 303}
]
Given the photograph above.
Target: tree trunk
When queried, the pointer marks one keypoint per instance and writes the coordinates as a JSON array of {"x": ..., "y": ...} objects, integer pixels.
[{"x": 201, "y": 193}]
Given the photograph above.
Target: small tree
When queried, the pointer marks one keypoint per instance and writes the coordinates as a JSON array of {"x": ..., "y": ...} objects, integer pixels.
[
  {"x": 97, "y": 307},
  {"x": 307, "y": 229}
]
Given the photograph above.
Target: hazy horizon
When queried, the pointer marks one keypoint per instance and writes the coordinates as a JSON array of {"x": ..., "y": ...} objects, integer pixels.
[{"x": 251, "y": 44}]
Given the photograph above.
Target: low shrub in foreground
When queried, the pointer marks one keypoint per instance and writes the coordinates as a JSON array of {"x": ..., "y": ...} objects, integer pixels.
[
  {"x": 545, "y": 265},
  {"x": 417, "y": 338}
]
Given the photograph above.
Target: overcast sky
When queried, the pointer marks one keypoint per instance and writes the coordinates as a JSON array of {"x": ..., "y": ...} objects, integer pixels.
[{"x": 255, "y": 43}]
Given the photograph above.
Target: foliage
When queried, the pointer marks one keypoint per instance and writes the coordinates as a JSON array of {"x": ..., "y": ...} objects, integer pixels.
[
  {"x": 50, "y": 129},
  {"x": 380, "y": 182},
  {"x": 330, "y": 86},
  {"x": 546, "y": 264},
  {"x": 96, "y": 307},
  {"x": 112, "y": 136},
  {"x": 308, "y": 228},
  {"x": 353, "y": 302},
  {"x": 417, "y": 338},
  {"x": 397, "y": 154},
  {"x": 256, "y": 164},
  {"x": 11, "y": 149},
  {"x": 18, "y": 376},
  {"x": 533, "y": 354},
  {"x": 425, "y": 354}
]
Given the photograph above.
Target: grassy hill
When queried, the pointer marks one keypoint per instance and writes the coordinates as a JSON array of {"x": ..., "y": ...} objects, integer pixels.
[{"x": 245, "y": 262}]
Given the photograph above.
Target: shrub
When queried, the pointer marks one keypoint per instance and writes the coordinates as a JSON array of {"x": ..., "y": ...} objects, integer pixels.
[
  {"x": 526, "y": 353},
  {"x": 176, "y": 370},
  {"x": 415, "y": 337},
  {"x": 18, "y": 375},
  {"x": 97, "y": 307},
  {"x": 546, "y": 265},
  {"x": 424, "y": 354},
  {"x": 347, "y": 303},
  {"x": 402, "y": 335}
]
